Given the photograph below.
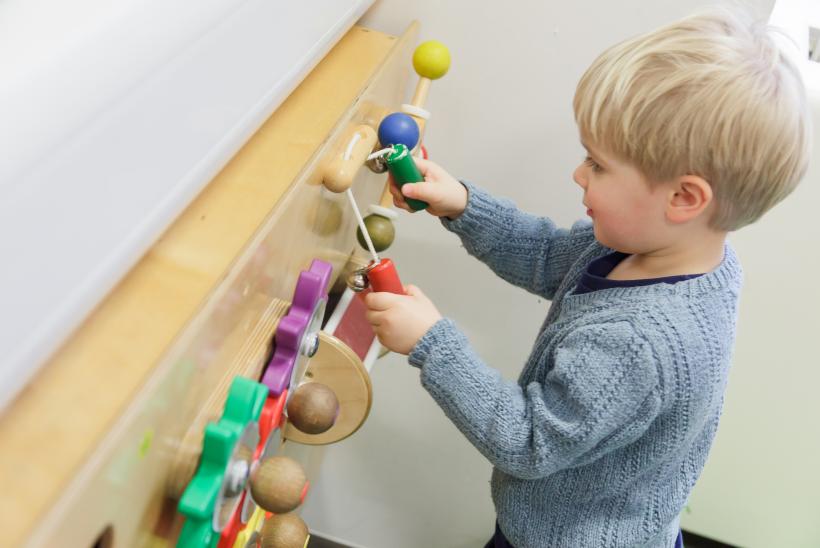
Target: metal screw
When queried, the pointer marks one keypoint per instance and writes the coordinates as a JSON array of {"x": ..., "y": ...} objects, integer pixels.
[
  {"x": 310, "y": 344},
  {"x": 237, "y": 476}
]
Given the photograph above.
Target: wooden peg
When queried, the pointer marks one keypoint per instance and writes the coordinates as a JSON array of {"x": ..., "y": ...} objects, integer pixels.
[
  {"x": 431, "y": 61},
  {"x": 348, "y": 158}
]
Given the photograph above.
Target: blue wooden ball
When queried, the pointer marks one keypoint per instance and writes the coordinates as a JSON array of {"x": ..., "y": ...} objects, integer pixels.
[{"x": 399, "y": 128}]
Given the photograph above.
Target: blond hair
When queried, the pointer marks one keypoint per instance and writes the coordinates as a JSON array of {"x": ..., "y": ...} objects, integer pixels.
[{"x": 710, "y": 95}]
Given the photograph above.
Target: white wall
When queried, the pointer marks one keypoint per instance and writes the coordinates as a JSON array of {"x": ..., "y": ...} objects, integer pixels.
[
  {"x": 760, "y": 483},
  {"x": 502, "y": 117}
]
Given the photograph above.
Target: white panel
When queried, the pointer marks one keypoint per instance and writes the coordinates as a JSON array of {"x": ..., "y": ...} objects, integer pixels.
[{"x": 114, "y": 116}]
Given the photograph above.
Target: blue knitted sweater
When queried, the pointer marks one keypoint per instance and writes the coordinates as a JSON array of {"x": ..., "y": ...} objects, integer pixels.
[{"x": 600, "y": 441}]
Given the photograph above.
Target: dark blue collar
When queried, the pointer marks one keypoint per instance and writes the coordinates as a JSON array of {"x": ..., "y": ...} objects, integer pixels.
[{"x": 595, "y": 278}]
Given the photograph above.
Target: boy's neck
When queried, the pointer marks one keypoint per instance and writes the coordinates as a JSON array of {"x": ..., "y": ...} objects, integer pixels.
[{"x": 676, "y": 260}]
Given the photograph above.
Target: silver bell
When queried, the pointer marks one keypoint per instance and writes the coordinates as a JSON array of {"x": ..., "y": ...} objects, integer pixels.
[
  {"x": 358, "y": 281},
  {"x": 377, "y": 164}
]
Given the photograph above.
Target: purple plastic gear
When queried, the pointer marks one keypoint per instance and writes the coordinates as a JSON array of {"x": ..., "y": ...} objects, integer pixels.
[{"x": 311, "y": 288}]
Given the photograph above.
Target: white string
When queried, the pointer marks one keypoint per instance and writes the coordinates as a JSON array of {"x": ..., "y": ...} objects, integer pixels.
[
  {"x": 348, "y": 151},
  {"x": 382, "y": 152},
  {"x": 363, "y": 227}
]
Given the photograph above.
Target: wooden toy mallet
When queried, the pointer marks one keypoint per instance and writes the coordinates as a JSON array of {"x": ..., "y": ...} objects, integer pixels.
[{"x": 431, "y": 60}]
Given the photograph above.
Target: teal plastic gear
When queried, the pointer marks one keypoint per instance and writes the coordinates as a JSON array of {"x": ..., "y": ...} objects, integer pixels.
[{"x": 243, "y": 407}]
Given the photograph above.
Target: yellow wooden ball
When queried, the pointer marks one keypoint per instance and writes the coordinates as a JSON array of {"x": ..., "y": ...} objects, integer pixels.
[{"x": 431, "y": 60}]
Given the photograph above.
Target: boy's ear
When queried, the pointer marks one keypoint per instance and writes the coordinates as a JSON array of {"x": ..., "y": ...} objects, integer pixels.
[{"x": 689, "y": 197}]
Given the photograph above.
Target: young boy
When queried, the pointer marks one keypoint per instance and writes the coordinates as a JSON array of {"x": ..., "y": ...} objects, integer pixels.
[{"x": 691, "y": 131}]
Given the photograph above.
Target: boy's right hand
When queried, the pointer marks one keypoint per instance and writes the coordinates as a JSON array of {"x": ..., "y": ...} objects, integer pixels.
[{"x": 446, "y": 196}]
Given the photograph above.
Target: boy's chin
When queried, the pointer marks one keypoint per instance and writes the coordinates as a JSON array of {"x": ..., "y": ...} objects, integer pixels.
[
  {"x": 610, "y": 241},
  {"x": 601, "y": 236}
]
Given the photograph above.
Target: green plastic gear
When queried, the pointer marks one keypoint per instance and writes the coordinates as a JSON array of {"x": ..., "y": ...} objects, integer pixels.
[{"x": 243, "y": 406}]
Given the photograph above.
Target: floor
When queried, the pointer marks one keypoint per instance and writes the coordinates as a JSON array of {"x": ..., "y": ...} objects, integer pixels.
[{"x": 690, "y": 540}]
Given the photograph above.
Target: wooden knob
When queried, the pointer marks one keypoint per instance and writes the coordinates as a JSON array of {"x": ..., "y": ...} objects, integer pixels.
[
  {"x": 313, "y": 408},
  {"x": 337, "y": 366},
  {"x": 431, "y": 61},
  {"x": 278, "y": 484},
  {"x": 284, "y": 531},
  {"x": 348, "y": 157}
]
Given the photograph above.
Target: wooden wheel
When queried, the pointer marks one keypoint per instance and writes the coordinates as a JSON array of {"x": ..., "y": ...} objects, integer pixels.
[{"x": 340, "y": 369}]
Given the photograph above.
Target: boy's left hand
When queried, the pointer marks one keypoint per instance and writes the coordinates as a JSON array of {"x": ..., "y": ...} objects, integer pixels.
[{"x": 401, "y": 320}]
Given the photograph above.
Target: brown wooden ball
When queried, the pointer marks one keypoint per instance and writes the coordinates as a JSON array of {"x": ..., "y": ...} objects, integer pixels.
[
  {"x": 313, "y": 408},
  {"x": 284, "y": 531},
  {"x": 277, "y": 484}
]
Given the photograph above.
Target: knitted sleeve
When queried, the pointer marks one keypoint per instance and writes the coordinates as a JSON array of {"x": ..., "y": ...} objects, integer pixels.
[
  {"x": 527, "y": 251},
  {"x": 601, "y": 394}
]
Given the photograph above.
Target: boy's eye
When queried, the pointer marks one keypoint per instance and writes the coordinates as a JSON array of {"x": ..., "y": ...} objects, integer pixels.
[{"x": 593, "y": 164}]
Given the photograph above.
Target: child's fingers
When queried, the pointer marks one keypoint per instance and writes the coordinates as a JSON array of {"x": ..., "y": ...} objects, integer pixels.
[
  {"x": 425, "y": 166},
  {"x": 373, "y": 317},
  {"x": 413, "y": 291},
  {"x": 426, "y": 192},
  {"x": 404, "y": 206},
  {"x": 391, "y": 183},
  {"x": 395, "y": 192},
  {"x": 398, "y": 199},
  {"x": 380, "y": 301},
  {"x": 400, "y": 202}
]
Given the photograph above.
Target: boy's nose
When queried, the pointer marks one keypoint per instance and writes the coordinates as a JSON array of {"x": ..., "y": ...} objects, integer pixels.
[{"x": 578, "y": 176}]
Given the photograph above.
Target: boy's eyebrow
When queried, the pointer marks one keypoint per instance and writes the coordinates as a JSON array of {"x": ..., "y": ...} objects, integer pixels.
[{"x": 592, "y": 153}]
